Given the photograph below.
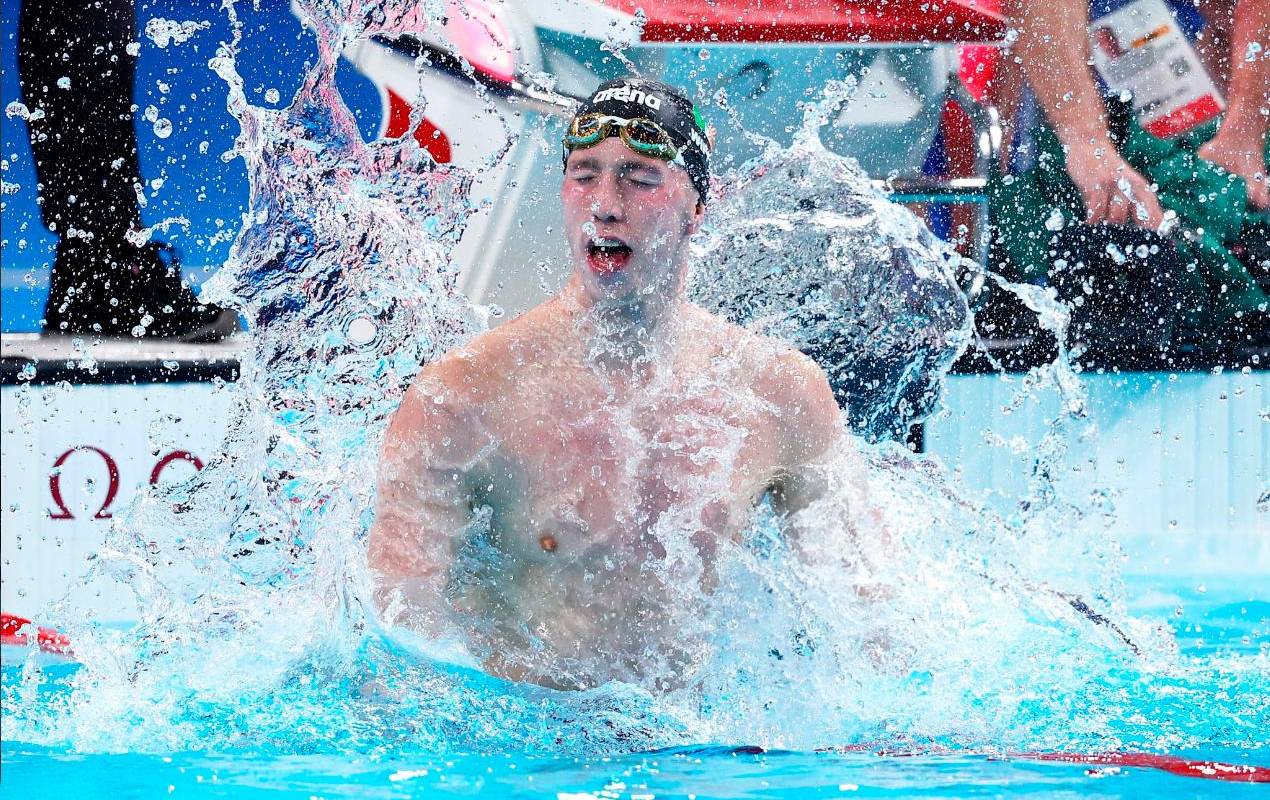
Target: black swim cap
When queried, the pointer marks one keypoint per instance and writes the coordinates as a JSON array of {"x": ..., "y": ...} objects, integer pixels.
[{"x": 662, "y": 103}]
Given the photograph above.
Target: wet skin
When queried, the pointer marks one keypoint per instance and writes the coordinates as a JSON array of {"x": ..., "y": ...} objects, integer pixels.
[{"x": 545, "y": 490}]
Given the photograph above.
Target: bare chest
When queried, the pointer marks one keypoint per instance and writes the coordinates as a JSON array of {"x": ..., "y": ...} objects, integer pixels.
[{"x": 593, "y": 478}]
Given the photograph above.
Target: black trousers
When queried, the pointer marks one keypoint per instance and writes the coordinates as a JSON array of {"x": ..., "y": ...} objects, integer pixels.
[{"x": 85, "y": 146}]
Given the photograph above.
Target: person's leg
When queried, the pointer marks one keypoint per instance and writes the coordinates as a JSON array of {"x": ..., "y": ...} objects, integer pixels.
[
  {"x": 74, "y": 68},
  {"x": 73, "y": 65}
]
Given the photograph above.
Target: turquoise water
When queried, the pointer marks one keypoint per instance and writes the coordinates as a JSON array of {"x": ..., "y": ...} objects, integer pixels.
[
  {"x": 1214, "y": 619},
  {"x": 705, "y": 773}
]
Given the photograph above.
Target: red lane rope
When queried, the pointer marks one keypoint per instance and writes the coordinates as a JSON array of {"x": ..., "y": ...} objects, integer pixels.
[
  {"x": 16, "y": 631},
  {"x": 1190, "y": 768},
  {"x": 1175, "y": 765}
]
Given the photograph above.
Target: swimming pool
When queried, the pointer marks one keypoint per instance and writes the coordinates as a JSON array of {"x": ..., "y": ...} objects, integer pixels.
[{"x": 1215, "y": 617}]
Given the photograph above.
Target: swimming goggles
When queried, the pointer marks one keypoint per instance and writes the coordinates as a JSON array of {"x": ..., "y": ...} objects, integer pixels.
[{"x": 639, "y": 134}]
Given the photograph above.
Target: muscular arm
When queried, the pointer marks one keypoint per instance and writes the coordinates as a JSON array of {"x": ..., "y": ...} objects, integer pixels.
[
  {"x": 810, "y": 429},
  {"x": 824, "y": 464},
  {"x": 820, "y": 457},
  {"x": 1053, "y": 44},
  {"x": 1240, "y": 144},
  {"x": 423, "y": 505}
]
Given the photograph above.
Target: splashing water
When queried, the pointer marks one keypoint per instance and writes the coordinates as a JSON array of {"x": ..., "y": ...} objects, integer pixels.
[
  {"x": 933, "y": 620},
  {"x": 804, "y": 250}
]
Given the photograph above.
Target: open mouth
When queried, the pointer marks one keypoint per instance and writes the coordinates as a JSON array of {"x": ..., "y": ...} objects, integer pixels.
[{"x": 607, "y": 255}]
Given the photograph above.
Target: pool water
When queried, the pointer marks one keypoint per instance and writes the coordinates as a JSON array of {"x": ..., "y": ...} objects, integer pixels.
[{"x": 1214, "y": 619}]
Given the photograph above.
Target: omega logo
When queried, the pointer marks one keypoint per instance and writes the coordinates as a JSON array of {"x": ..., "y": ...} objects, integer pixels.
[{"x": 62, "y": 511}]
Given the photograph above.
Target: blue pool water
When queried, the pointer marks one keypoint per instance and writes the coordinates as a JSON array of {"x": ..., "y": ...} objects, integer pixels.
[{"x": 1215, "y": 618}]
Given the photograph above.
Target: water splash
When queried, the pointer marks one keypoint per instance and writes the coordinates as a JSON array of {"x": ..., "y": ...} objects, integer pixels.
[
  {"x": 931, "y": 620},
  {"x": 802, "y": 248}
]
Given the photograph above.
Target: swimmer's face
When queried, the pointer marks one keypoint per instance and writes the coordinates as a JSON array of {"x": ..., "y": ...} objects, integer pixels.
[{"x": 628, "y": 219}]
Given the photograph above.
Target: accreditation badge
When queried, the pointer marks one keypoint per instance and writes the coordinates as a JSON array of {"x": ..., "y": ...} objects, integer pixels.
[{"x": 1139, "y": 48}]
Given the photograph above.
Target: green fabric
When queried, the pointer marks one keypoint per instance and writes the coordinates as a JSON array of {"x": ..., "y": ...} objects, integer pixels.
[{"x": 1205, "y": 197}]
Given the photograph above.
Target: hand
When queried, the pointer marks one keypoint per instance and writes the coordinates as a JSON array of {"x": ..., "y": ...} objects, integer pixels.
[
  {"x": 1243, "y": 158},
  {"x": 1111, "y": 189}
]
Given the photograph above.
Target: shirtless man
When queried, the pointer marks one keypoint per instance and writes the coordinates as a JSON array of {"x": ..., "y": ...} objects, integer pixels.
[{"x": 547, "y": 491}]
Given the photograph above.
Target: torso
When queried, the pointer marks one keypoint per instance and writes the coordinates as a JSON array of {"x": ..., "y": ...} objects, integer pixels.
[{"x": 604, "y": 501}]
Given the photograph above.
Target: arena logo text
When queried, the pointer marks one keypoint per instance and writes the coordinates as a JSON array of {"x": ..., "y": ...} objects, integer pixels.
[{"x": 629, "y": 95}]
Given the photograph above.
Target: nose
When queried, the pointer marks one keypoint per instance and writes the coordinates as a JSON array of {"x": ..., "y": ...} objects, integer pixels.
[{"x": 606, "y": 200}]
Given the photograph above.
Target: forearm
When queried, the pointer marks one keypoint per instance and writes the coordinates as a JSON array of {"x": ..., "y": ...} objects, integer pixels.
[
  {"x": 1248, "y": 94},
  {"x": 1053, "y": 44}
]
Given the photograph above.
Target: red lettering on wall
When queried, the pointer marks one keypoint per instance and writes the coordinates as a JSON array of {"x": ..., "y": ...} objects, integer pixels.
[
  {"x": 55, "y": 483},
  {"x": 175, "y": 455}
]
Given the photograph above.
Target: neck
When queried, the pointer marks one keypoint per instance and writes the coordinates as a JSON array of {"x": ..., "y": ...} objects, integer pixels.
[{"x": 627, "y": 336}]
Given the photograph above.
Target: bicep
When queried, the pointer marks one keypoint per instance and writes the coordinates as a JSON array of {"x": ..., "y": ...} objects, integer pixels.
[
  {"x": 823, "y": 460},
  {"x": 422, "y": 498},
  {"x": 811, "y": 430}
]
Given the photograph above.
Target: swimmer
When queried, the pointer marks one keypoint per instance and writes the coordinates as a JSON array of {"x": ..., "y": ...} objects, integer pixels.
[{"x": 530, "y": 480}]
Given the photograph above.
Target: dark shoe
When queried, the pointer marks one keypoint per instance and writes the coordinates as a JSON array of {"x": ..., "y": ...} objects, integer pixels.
[
  {"x": 1249, "y": 330},
  {"x": 168, "y": 307},
  {"x": 124, "y": 291},
  {"x": 1123, "y": 286}
]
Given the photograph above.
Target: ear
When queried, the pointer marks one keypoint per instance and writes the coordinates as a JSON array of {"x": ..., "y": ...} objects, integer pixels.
[{"x": 695, "y": 219}]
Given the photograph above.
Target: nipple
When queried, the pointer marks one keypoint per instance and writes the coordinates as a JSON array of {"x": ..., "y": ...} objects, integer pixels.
[{"x": 547, "y": 542}]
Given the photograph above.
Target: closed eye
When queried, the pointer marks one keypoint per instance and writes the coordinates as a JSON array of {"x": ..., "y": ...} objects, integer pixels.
[{"x": 642, "y": 177}]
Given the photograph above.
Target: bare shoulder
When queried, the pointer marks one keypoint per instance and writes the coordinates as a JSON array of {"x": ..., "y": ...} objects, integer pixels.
[
  {"x": 779, "y": 373},
  {"x": 480, "y": 370},
  {"x": 799, "y": 389},
  {"x": 443, "y": 412},
  {"x": 792, "y": 383}
]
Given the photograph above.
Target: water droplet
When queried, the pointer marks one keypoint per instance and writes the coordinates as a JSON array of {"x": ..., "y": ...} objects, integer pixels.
[
  {"x": 361, "y": 331},
  {"x": 272, "y": 96},
  {"x": 64, "y": 82},
  {"x": 164, "y": 32},
  {"x": 17, "y": 109},
  {"x": 163, "y": 127}
]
